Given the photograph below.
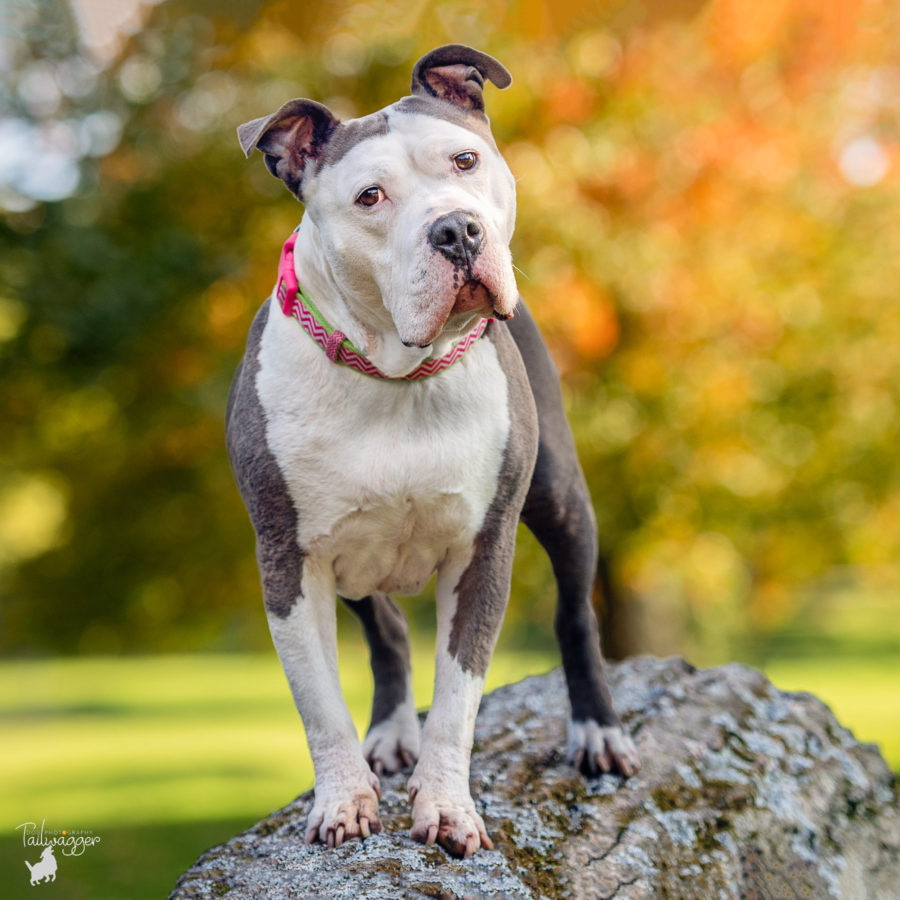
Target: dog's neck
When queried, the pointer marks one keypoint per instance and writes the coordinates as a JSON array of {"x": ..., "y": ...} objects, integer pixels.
[{"x": 360, "y": 312}]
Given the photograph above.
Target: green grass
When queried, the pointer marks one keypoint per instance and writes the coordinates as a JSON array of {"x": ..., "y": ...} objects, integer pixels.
[
  {"x": 129, "y": 863},
  {"x": 864, "y": 694},
  {"x": 164, "y": 756},
  {"x": 171, "y": 739}
]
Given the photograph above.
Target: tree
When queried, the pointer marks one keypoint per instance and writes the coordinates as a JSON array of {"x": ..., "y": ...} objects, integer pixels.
[{"x": 705, "y": 233}]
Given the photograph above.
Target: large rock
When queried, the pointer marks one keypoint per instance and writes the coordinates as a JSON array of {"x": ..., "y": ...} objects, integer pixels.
[{"x": 746, "y": 792}]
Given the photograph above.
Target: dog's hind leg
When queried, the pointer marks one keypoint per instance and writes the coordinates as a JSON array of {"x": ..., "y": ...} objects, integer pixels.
[
  {"x": 558, "y": 512},
  {"x": 392, "y": 741}
]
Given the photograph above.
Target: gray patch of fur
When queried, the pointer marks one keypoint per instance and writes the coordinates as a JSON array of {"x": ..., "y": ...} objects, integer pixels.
[
  {"x": 261, "y": 482},
  {"x": 348, "y": 134},
  {"x": 388, "y": 636},
  {"x": 483, "y": 588},
  {"x": 439, "y": 109}
]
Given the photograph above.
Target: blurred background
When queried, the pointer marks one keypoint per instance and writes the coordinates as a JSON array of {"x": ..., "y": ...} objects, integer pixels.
[{"x": 709, "y": 199}]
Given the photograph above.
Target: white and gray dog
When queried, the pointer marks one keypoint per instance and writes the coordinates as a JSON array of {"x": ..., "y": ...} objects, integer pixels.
[{"x": 387, "y": 422}]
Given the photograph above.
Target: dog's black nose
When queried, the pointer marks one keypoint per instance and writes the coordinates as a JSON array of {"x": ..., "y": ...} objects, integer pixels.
[{"x": 457, "y": 235}]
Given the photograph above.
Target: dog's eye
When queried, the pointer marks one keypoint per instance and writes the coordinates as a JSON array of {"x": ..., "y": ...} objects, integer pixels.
[
  {"x": 465, "y": 160},
  {"x": 370, "y": 196}
]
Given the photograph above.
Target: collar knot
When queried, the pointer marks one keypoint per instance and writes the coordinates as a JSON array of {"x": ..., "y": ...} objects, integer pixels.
[{"x": 333, "y": 345}]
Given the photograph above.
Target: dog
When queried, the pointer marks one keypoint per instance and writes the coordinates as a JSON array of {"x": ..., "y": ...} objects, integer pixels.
[
  {"x": 395, "y": 414},
  {"x": 45, "y": 869}
]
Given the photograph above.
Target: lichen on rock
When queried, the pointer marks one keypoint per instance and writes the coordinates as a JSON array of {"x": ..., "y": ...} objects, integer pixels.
[{"x": 746, "y": 792}]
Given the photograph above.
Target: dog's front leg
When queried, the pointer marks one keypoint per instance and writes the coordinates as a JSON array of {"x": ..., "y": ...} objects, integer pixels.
[
  {"x": 347, "y": 791},
  {"x": 471, "y": 600}
]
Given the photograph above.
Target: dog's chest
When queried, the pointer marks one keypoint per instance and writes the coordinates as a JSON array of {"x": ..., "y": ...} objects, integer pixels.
[{"x": 386, "y": 477}]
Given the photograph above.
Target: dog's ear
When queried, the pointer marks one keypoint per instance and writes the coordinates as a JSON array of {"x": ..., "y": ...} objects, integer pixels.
[
  {"x": 289, "y": 138},
  {"x": 456, "y": 73}
]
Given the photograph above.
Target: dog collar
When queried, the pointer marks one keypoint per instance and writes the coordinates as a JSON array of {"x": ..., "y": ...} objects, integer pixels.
[{"x": 337, "y": 346}]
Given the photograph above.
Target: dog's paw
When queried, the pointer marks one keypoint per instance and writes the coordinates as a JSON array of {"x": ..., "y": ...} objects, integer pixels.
[
  {"x": 594, "y": 749},
  {"x": 335, "y": 819},
  {"x": 393, "y": 744},
  {"x": 452, "y": 823}
]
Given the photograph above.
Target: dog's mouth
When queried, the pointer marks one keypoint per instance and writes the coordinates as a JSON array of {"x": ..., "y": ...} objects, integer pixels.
[
  {"x": 474, "y": 295},
  {"x": 471, "y": 296}
]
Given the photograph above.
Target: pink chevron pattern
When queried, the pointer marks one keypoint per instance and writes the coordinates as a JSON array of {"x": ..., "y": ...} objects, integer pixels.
[{"x": 336, "y": 344}]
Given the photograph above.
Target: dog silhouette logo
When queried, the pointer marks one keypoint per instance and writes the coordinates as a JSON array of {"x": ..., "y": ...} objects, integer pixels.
[{"x": 45, "y": 869}]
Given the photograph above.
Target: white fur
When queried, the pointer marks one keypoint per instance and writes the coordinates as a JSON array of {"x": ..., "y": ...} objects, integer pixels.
[
  {"x": 391, "y": 480},
  {"x": 439, "y": 784},
  {"x": 386, "y": 477},
  {"x": 346, "y": 788},
  {"x": 373, "y": 270}
]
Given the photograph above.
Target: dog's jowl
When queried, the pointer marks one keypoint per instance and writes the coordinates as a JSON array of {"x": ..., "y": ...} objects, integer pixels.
[{"x": 394, "y": 416}]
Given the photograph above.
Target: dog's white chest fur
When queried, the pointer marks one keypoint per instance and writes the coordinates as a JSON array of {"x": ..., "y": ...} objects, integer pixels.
[{"x": 387, "y": 477}]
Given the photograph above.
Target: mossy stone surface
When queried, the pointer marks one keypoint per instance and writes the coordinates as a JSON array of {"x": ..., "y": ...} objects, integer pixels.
[{"x": 746, "y": 792}]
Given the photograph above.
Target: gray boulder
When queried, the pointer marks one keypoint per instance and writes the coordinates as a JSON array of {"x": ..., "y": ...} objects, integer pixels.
[{"x": 746, "y": 792}]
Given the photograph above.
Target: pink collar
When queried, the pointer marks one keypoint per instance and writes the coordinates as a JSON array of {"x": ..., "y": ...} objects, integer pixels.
[{"x": 337, "y": 346}]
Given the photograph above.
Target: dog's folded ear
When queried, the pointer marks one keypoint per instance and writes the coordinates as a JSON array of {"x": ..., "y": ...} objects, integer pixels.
[
  {"x": 290, "y": 137},
  {"x": 456, "y": 73}
]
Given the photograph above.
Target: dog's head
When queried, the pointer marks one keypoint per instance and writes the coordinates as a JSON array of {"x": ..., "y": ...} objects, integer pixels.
[{"x": 412, "y": 206}]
